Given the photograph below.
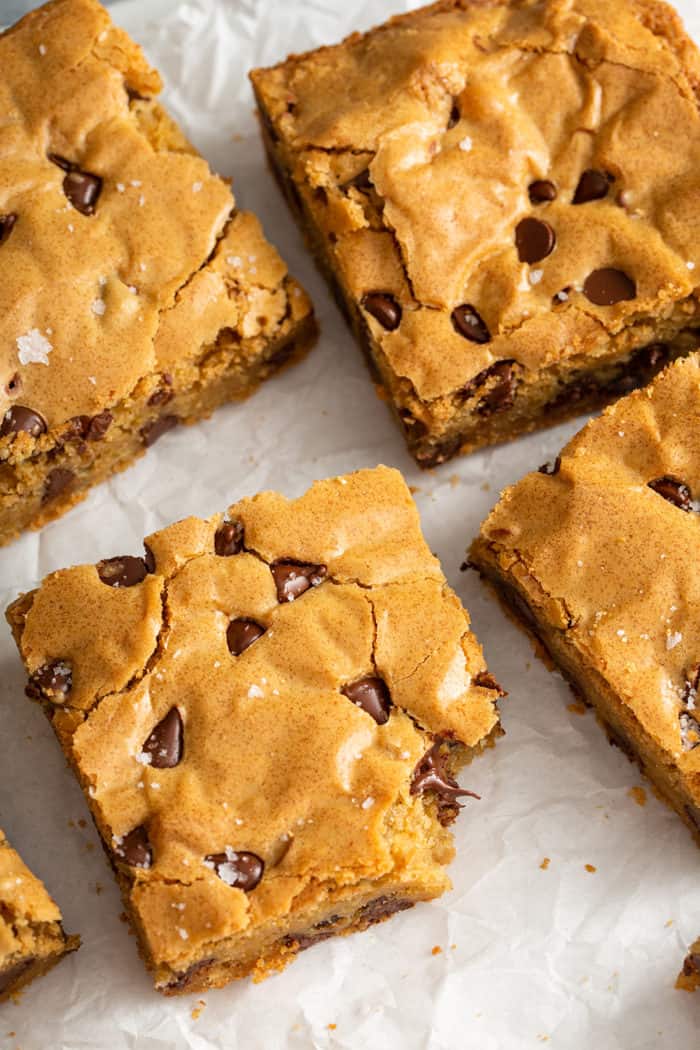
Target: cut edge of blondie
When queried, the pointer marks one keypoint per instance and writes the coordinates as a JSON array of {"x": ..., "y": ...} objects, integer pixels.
[{"x": 689, "y": 977}]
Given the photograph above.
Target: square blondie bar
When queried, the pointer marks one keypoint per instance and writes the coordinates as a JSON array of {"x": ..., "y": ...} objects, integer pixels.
[
  {"x": 133, "y": 294},
  {"x": 503, "y": 194},
  {"x": 266, "y": 714},
  {"x": 596, "y": 554},
  {"x": 32, "y": 939}
]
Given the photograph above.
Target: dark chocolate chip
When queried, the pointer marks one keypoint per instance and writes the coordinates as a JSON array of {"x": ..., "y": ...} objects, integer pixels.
[
  {"x": 12, "y": 975},
  {"x": 161, "y": 396},
  {"x": 237, "y": 868},
  {"x": 550, "y": 469},
  {"x": 673, "y": 490},
  {"x": 438, "y": 454},
  {"x": 149, "y": 559},
  {"x": 293, "y": 578},
  {"x": 593, "y": 186},
  {"x": 301, "y": 941},
  {"x": 502, "y": 380},
  {"x": 431, "y": 775},
  {"x": 125, "y": 571},
  {"x": 229, "y": 539},
  {"x": 57, "y": 481},
  {"x": 609, "y": 286},
  {"x": 468, "y": 323},
  {"x": 98, "y": 426},
  {"x": 241, "y": 634},
  {"x": 19, "y": 419},
  {"x": 362, "y": 182},
  {"x": 485, "y": 680},
  {"x": 165, "y": 742},
  {"x": 154, "y": 430},
  {"x": 382, "y": 908},
  {"x": 7, "y": 223},
  {"x": 384, "y": 308},
  {"x": 52, "y": 681},
  {"x": 135, "y": 849},
  {"x": 372, "y": 695},
  {"x": 650, "y": 359},
  {"x": 534, "y": 239},
  {"x": 83, "y": 190},
  {"x": 542, "y": 191},
  {"x": 183, "y": 980},
  {"x": 454, "y": 118}
]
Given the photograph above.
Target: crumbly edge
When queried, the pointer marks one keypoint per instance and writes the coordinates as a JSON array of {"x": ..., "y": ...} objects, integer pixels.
[
  {"x": 30, "y": 967},
  {"x": 689, "y": 977},
  {"x": 588, "y": 684},
  {"x": 437, "y": 430},
  {"x": 272, "y": 946}
]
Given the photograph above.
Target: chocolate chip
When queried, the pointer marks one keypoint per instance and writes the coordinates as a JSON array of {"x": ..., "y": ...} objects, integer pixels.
[
  {"x": 485, "y": 680},
  {"x": 149, "y": 559},
  {"x": 502, "y": 381},
  {"x": 362, "y": 182},
  {"x": 52, "y": 681},
  {"x": 609, "y": 286},
  {"x": 98, "y": 426},
  {"x": 437, "y": 454},
  {"x": 301, "y": 941},
  {"x": 229, "y": 539},
  {"x": 384, "y": 308},
  {"x": 154, "y": 430},
  {"x": 125, "y": 571},
  {"x": 83, "y": 190},
  {"x": 185, "y": 979},
  {"x": 593, "y": 186},
  {"x": 455, "y": 116},
  {"x": 293, "y": 578},
  {"x": 468, "y": 323},
  {"x": 534, "y": 239},
  {"x": 241, "y": 634},
  {"x": 164, "y": 394},
  {"x": 650, "y": 359},
  {"x": 383, "y": 907},
  {"x": 431, "y": 775},
  {"x": 57, "y": 481},
  {"x": 19, "y": 419},
  {"x": 372, "y": 695},
  {"x": 7, "y": 223},
  {"x": 164, "y": 744},
  {"x": 550, "y": 469},
  {"x": 135, "y": 849},
  {"x": 237, "y": 868},
  {"x": 12, "y": 975},
  {"x": 541, "y": 191},
  {"x": 673, "y": 490}
]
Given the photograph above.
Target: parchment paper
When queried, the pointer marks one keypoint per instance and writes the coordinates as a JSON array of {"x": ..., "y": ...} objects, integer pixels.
[{"x": 516, "y": 956}]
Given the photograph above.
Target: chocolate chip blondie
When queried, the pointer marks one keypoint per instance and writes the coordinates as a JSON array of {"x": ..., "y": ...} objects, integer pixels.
[
  {"x": 503, "y": 194},
  {"x": 689, "y": 977},
  {"x": 134, "y": 295},
  {"x": 596, "y": 554},
  {"x": 32, "y": 939},
  {"x": 266, "y": 713}
]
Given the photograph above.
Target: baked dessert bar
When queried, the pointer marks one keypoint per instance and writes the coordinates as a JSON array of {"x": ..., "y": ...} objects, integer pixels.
[
  {"x": 133, "y": 294},
  {"x": 596, "y": 555},
  {"x": 503, "y": 194},
  {"x": 266, "y": 713},
  {"x": 32, "y": 940},
  {"x": 689, "y": 977}
]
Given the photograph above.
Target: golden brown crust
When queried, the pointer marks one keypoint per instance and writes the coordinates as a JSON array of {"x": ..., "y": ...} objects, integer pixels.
[{"x": 689, "y": 977}]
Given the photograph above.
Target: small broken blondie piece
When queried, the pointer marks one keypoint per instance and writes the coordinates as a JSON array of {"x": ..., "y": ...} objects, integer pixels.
[
  {"x": 32, "y": 939},
  {"x": 266, "y": 714},
  {"x": 597, "y": 556},
  {"x": 689, "y": 977},
  {"x": 133, "y": 294},
  {"x": 503, "y": 196}
]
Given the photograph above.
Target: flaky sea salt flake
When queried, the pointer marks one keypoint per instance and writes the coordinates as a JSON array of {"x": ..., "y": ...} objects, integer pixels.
[{"x": 33, "y": 348}]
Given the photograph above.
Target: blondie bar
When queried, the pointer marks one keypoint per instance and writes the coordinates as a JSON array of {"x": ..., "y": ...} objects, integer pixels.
[
  {"x": 134, "y": 296},
  {"x": 503, "y": 194},
  {"x": 265, "y": 713}
]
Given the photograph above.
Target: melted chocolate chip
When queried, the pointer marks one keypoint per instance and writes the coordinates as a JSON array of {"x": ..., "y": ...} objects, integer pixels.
[
  {"x": 293, "y": 578},
  {"x": 542, "y": 191},
  {"x": 534, "y": 239},
  {"x": 431, "y": 775},
  {"x": 502, "y": 380},
  {"x": 485, "y": 680},
  {"x": 673, "y": 490},
  {"x": 83, "y": 190},
  {"x": 165, "y": 741},
  {"x": 382, "y": 908},
  {"x": 454, "y": 117},
  {"x": 550, "y": 469},
  {"x": 135, "y": 849},
  {"x": 468, "y": 323},
  {"x": 241, "y": 634},
  {"x": 95, "y": 428},
  {"x": 609, "y": 286},
  {"x": 593, "y": 186},
  {"x": 7, "y": 223},
  {"x": 229, "y": 539},
  {"x": 57, "y": 481},
  {"x": 183, "y": 980},
  {"x": 237, "y": 868},
  {"x": 151, "y": 432},
  {"x": 149, "y": 559},
  {"x": 372, "y": 695},
  {"x": 383, "y": 308},
  {"x": 301, "y": 941},
  {"x": 19, "y": 419},
  {"x": 125, "y": 571},
  {"x": 52, "y": 681}
]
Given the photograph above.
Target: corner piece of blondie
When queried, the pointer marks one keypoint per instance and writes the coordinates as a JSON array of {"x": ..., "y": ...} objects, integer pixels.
[
  {"x": 133, "y": 294},
  {"x": 503, "y": 194},
  {"x": 597, "y": 556},
  {"x": 266, "y": 714},
  {"x": 689, "y": 977},
  {"x": 32, "y": 939}
]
